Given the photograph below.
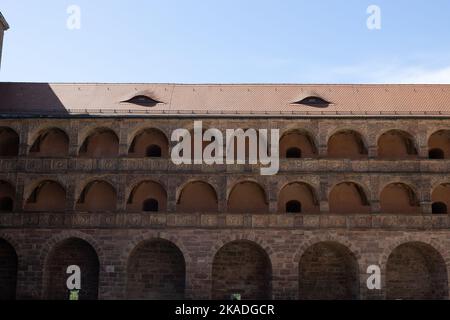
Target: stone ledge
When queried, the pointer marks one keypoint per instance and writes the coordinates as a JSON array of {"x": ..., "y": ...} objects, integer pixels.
[
  {"x": 35, "y": 165},
  {"x": 222, "y": 221}
]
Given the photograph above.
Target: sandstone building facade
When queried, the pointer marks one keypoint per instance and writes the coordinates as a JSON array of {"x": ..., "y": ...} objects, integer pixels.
[{"x": 86, "y": 179}]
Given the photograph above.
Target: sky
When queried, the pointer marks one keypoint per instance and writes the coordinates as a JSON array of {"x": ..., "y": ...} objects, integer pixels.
[{"x": 232, "y": 41}]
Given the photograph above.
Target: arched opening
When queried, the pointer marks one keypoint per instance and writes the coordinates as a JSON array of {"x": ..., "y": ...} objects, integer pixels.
[
  {"x": 436, "y": 154},
  {"x": 347, "y": 144},
  {"x": 328, "y": 271},
  {"x": 293, "y": 153},
  {"x": 156, "y": 271},
  {"x": 247, "y": 197},
  {"x": 297, "y": 144},
  {"x": 70, "y": 252},
  {"x": 153, "y": 151},
  {"x": 51, "y": 143},
  {"x": 147, "y": 196},
  {"x": 416, "y": 271},
  {"x": 298, "y": 197},
  {"x": 8, "y": 271},
  {"x": 149, "y": 143},
  {"x": 150, "y": 205},
  {"x": 439, "y": 208},
  {"x": 197, "y": 196},
  {"x": 241, "y": 268},
  {"x": 102, "y": 143},
  {"x": 47, "y": 196},
  {"x": 439, "y": 145},
  {"x": 249, "y": 141},
  {"x": 396, "y": 144},
  {"x": 440, "y": 197},
  {"x": 399, "y": 198},
  {"x": 9, "y": 142},
  {"x": 7, "y": 196},
  {"x": 348, "y": 197},
  {"x": 97, "y": 196},
  {"x": 293, "y": 206}
]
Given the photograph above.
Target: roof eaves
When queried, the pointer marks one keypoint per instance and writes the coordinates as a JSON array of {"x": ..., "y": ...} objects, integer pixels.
[{"x": 5, "y": 24}]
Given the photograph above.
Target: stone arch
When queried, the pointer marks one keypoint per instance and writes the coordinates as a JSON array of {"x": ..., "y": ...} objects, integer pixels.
[
  {"x": 51, "y": 142},
  {"x": 416, "y": 270},
  {"x": 247, "y": 197},
  {"x": 399, "y": 198},
  {"x": 8, "y": 270},
  {"x": 97, "y": 195},
  {"x": 347, "y": 144},
  {"x": 156, "y": 270},
  {"x": 100, "y": 143},
  {"x": 439, "y": 145},
  {"x": 9, "y": 142},
  {"x": 48, "y": 195},
  {"x": 348, "y": 197},
  {"x": 149, "y": 143},
  {"x": 146, "y": 191},
  {"x": 301, "y": 192},
  {"x": 397, "y": 144},
  {"x": 67, "y": 252},
  {"x": 440, "y": 198},
  {"x": 297, "y": 144},
  {"x": 241, "y": 267},
  {"x": 328, "y": 270},
  {"x": 7, "y": 196},
  {"x": 197, "y": 196}
]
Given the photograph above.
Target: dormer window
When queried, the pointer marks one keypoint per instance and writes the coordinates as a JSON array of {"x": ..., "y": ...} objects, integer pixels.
[
  {"x": 313, "y": 101},
  {"x": 143, "y": 100}
]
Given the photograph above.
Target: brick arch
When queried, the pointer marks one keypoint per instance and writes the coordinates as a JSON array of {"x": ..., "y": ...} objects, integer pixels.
[
  {"x": 160, "y": 256},
  {"x": 65, "y": 235},
  {"x": 13, "y": 242},
  {"x": 392, "y": 245},
  {"x": 208, "y": 205},
  {"x": 328, "y": 283},
  {"x": 106, "y": 200},
  {"x": 159, "y": 193},
  {"x": 39, "y": 130},
  {"x": 113, "y": 148},
  {"x": 416, "y": 258},
  {"x": 231, "y": 184},
  {"x": 315, "y": 200},
  {"x": 255, "y": 206},
  {"x": 212, "y": 184},
  {"x": 361, "y": 185},
  {"x": 81, "y": 184},
  {"x": 32, "y": 185},
  {"x": 362, "y": 151},
  {"x": 131, "y": 187},
  {"x": 9, "y": 147},
  {"x": 150, "y": 235},
  {"x": 401, "y": 209},
  {"x": 391, "y": 150},
  {"x": 350, "y": 245},
  {"x": 92, "y": 128},
  {"x": 263, "y": 244},
  {"x": 46, "y": 195},
  {"x": 133, "y": 145},
  {"x": 255, "y": 284},
  {"x": 311, "y": 140},
  {"x": 136, "y": 130},
  {"x": 52, "y": 243}
]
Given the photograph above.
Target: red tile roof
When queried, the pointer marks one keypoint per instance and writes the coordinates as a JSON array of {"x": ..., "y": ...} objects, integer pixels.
[{"x": 245, "y": 99}]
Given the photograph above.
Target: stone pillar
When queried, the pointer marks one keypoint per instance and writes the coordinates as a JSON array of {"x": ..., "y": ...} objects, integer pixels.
[
  {"x": 123, "y": 139},
  {"x": 323, "y": 195}
]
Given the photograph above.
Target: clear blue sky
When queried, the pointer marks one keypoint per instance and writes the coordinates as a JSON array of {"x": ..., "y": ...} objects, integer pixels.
[{"x": 203, "y": 41}]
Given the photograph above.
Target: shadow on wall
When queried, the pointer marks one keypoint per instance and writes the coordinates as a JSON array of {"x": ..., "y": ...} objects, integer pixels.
[{"x": 30, "y": 98}]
